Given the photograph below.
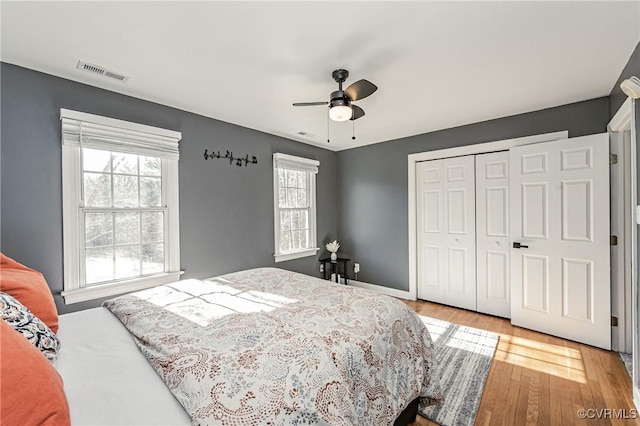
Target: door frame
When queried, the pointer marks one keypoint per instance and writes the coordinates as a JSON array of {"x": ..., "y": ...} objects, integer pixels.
[
  {"x": 626, "y": 232},
  {"x": 623, "y": 120},
  {"x": 480, "y": 148}
]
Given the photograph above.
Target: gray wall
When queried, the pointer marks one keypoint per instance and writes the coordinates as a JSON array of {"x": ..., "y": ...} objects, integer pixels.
[
  {"x": 373, "y": 223},
  {"x": 226, "y": 212}
]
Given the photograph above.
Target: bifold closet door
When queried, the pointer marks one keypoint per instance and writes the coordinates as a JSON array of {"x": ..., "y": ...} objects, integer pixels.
[
  {"x": 492, "y": 233},
  {"x": 446, "y": 231}
]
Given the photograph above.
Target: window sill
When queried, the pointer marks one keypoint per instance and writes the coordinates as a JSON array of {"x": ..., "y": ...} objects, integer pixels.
[
  {"x": 112, "y": 289},
  {"x": 295, "y": 255}
]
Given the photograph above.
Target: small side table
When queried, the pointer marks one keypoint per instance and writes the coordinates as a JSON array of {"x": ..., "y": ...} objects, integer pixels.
[{"x": 334, "y": 267}]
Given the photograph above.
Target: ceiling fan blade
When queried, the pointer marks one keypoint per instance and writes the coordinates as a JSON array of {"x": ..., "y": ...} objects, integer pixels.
[
  {"x": 357, "y": 112},
  {"x": 310, "y": 103},
  {"x": 360, "y": 90}
]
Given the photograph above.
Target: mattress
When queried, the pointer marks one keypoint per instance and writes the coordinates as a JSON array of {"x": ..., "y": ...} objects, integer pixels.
[{"x": 108, "y": 381}]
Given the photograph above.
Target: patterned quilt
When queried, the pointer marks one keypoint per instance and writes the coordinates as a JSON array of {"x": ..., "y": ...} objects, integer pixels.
[{"x": 268, "y": 346}]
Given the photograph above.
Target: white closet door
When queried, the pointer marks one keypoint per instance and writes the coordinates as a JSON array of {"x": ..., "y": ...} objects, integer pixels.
[
  {"x": 460, "y": 237},
  {"x": 446, "y": 231},
  {"x": 560, "y": 215},
  {"x": 431, "y": 231},
  {"x": 492, "y": 233}
]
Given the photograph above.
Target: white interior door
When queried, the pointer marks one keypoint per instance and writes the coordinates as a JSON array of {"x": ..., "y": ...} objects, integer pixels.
[
  {"x": 492, "y": 233},
  {"x": 560, "y": 216},
  {"x": 446, "y": 231}
]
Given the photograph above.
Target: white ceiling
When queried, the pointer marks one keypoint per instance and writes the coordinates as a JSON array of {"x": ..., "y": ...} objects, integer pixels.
[{"x": 437, "y": 64}]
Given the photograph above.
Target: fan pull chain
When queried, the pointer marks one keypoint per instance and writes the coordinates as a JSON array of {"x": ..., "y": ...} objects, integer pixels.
[{"x": 353, "y": 130}]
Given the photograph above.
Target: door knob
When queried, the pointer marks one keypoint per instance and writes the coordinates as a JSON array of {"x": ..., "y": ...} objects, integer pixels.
[{"x": 518, "y": 245}]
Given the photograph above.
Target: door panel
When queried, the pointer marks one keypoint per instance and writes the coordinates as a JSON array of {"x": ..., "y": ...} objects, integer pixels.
[
  {"x": 560, "y": 282},
  {"x": 460, "y": 289},
  {"x": 457, "y": 211},
  {"x": 534, "y": 210},
  {"x": 535, "y": 282},
  {"x": 492, "y": 233},
  {"x": 576, "y": 210},
  {"x": 432, "y": 221},
  {"x": 577, "y": 289},
  {"x": 457, "y": 267},
  {"x": 497, "y": 275},
  {"x": 446, "y": 231},
  {"x": 432, "y": 257},
  {"x": 431, "y": 232},
  {"x": 497, "y": 211}
]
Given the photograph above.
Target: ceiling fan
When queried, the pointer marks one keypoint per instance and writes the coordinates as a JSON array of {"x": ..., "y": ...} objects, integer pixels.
[{"x": 340, "y": 102}]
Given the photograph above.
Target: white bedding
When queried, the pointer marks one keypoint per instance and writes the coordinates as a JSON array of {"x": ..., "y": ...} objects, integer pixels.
[{"x": 107, "y": 379}]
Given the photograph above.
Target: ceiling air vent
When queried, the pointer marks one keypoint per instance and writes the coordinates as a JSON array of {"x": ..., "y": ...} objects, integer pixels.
[{"x": 95, "y": 69}]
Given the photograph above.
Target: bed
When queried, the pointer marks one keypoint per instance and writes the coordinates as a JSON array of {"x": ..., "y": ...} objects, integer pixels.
[{"x": 262, "y": 346}]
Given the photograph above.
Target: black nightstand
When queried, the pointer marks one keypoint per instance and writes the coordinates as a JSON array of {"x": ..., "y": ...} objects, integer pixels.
[{"x": 334, "y": 267}]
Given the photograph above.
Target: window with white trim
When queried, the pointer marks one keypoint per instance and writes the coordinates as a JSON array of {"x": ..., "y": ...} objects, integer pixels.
[
  {"x": 120, "y": 206},
  {"x": 294, "y": 201}
]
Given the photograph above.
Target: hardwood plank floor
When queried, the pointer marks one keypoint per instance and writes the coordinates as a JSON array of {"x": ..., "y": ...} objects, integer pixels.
[{"x": 540, "y": 379}]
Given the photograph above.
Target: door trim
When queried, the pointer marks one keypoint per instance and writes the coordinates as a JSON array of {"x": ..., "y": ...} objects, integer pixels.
[
  {"x": 622, "y": 121},
  {"x": 481, "y": 148},
  {"x": 619, "y": 124}
]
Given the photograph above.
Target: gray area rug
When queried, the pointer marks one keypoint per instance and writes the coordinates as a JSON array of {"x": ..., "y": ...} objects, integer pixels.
[
  {"x": 628, "y": 362},
  {"x": 464, "y": 355}
]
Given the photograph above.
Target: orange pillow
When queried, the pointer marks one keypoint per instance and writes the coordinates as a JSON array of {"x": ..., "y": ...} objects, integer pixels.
[
  {"x": 31, "y": 390},
  {"x": 30, "y": 288}
]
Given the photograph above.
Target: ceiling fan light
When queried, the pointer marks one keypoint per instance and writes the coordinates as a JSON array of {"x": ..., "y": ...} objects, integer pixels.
[{"x": 340, "y": 113}]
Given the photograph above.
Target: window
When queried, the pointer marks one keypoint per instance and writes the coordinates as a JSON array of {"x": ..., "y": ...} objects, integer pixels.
[
  {"x": 120, "y": 206},
  {"x": 294, "y": 200}
]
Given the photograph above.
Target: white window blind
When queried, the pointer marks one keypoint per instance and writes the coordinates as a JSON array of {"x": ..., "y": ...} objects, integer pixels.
[
  {"x": 92, "y": 131},
  {"x": 284, "y": 161}
]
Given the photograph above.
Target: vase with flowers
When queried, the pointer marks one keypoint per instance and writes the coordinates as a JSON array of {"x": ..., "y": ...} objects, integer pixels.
[{"x": 332, "y": 248}]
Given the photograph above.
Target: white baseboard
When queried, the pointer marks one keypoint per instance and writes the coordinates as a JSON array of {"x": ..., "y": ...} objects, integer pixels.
[{"x": 382, "y": 289}]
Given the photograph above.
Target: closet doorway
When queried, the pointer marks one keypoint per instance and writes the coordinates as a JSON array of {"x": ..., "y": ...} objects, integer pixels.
[
  {"x": 463, "y": 232},
  {"x": 522, "y": 233}
]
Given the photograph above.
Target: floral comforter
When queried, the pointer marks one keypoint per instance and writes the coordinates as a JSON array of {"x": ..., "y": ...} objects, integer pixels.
[{"x": 268, "y": 346}]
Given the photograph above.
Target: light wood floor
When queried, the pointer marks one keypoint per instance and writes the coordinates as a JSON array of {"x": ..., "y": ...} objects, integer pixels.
[{"x": 541, "y": 379}]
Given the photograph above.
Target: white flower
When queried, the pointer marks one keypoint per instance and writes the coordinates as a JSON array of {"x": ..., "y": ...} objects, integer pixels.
[{"x": 333, "y": 246}]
